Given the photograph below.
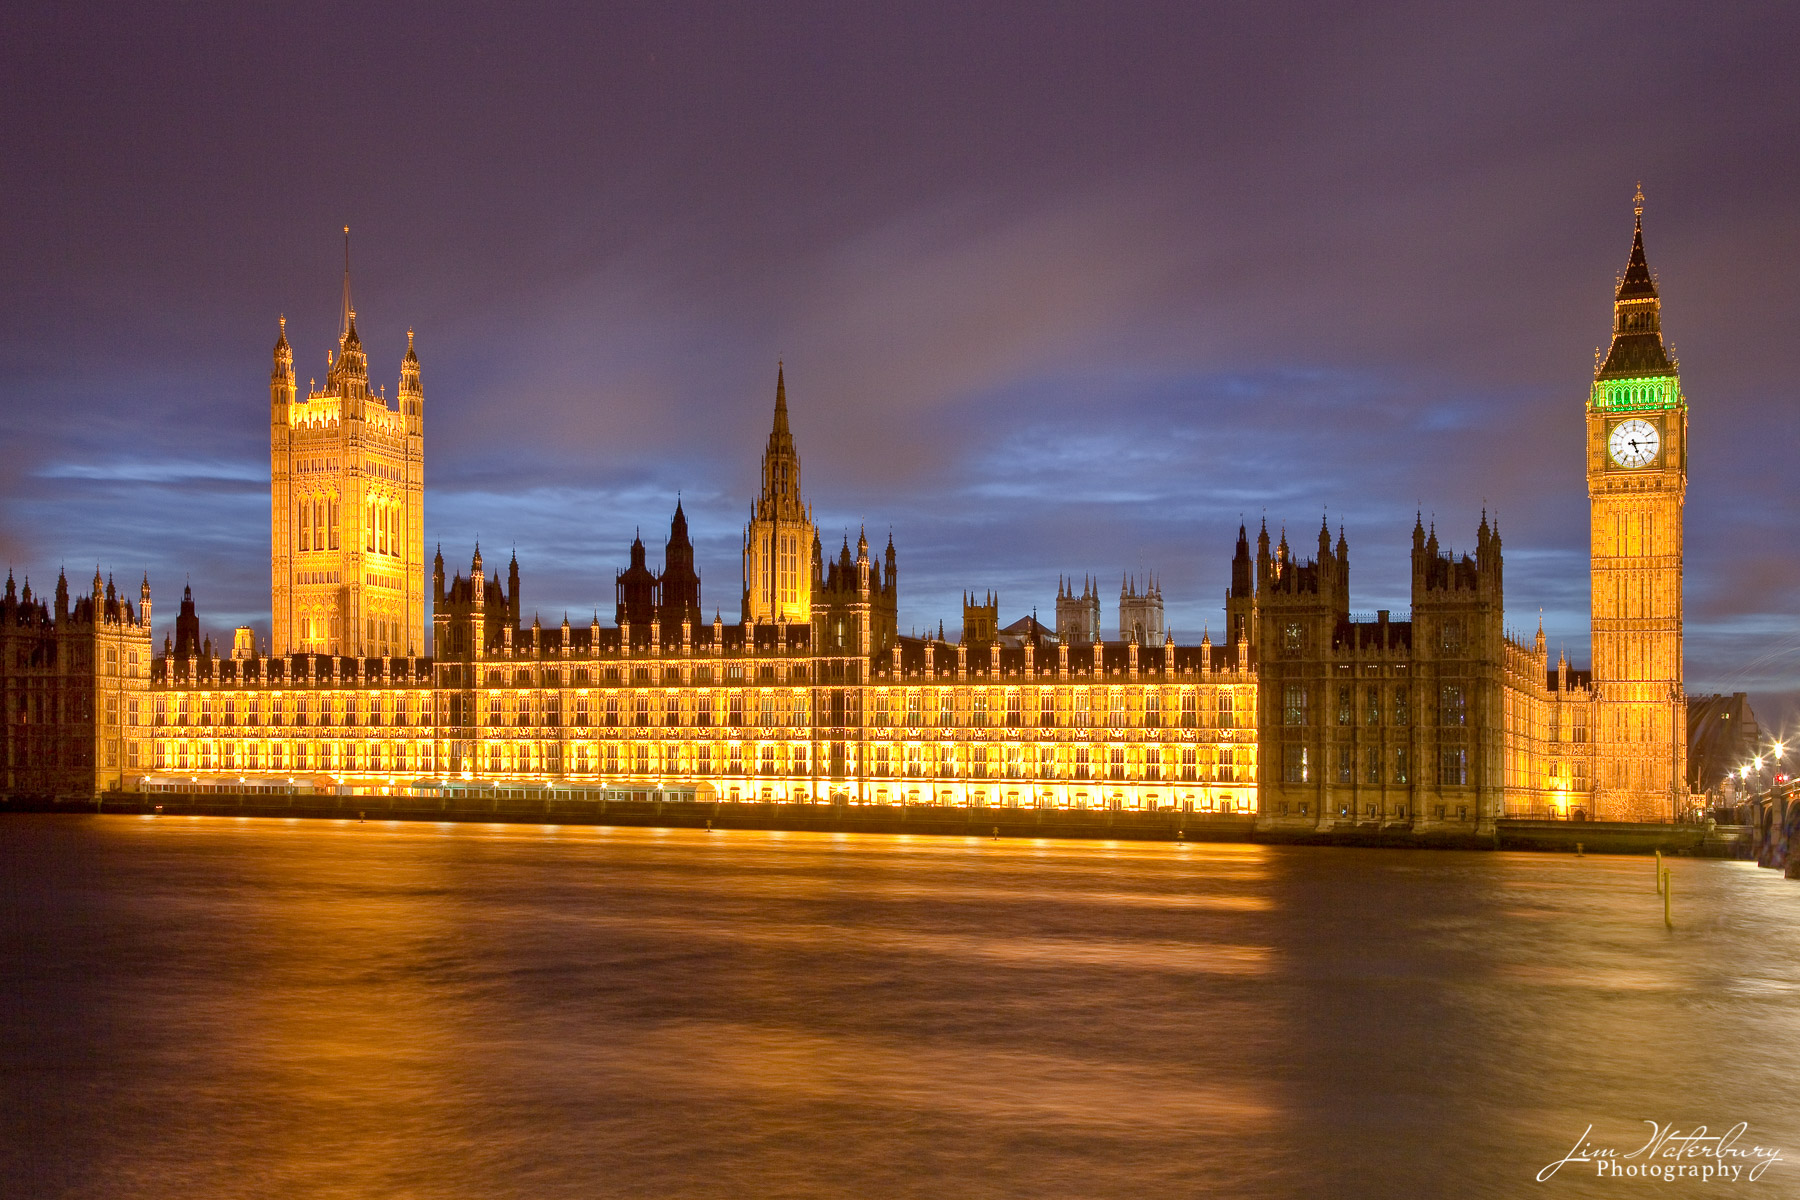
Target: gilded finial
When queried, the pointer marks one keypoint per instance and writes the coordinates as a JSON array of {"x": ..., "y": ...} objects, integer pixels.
[
  {"x": 349, "y": 314},
  {"x": 1637, "y": 201}
]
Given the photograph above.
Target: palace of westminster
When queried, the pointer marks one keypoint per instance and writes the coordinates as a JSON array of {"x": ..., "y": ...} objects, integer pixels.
[{"x": 1302, "y": 714}]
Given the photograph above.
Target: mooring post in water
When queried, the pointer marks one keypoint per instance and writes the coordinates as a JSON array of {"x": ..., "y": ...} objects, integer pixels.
[
  {"x": 1578, "y": 850},
  {"x": 996, "y": 833},
  {"x": 1667, "y": 887},
  {"x": 1659, "y": 870}
]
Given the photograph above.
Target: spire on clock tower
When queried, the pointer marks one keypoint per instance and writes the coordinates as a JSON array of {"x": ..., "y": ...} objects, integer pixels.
[{"x": 1637, "y": 346}]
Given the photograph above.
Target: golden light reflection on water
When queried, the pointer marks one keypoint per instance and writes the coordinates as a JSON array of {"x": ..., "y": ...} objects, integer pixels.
[
  {"x": 1180, "y": 957},
  {"x": 239, "y": 1007},
  {"x": 1009, "y": 1086}
]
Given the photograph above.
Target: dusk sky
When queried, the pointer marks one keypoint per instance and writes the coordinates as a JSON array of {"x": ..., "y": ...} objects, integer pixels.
[{"x": 1060, "y": 289}]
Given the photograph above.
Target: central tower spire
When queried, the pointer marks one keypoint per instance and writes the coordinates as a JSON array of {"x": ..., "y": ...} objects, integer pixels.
[
  {"x": 781, "y": 417},
  {"x": 778, "y": 574},
  {"x": 781, "y": 464}
]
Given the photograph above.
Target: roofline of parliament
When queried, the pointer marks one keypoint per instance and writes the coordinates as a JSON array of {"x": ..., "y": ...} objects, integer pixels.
[{"x": 1302, "y": 714}]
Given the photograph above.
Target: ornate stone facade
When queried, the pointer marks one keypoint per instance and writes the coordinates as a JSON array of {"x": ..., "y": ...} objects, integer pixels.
[
  {"x": 1637, "y": 484},
  {"x": 74, "y": 705},
  {"x": 346, "y": 504},
  {"x": 1308, "y": 714}
]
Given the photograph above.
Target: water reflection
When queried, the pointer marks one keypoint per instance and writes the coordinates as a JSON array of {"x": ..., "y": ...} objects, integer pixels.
[{"x": 211, "y": 1007}]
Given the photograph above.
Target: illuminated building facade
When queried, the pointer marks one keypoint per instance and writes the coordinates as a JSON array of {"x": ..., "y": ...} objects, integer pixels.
[
  {"x": 1375, "y": 720},
  {"x": 1637, "y": 484},
  {"x": 346, "y": 504},
  {"x": 1307, "y": 714},
  {"x": 1611, "y": 743},
  {"x": 74, "y": 691},
  {"x": 831, "y": 705},
  {"x": 730, "y": 712}
]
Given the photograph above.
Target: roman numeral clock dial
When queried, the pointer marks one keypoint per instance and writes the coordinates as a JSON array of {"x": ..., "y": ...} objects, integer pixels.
[{"x": 1634, "y": 443}]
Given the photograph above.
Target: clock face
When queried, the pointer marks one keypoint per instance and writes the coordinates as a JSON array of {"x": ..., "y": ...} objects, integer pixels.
[{"x": 1633, "y": 443}]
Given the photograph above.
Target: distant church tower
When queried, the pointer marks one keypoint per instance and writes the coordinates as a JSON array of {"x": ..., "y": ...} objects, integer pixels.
[
  {"x": 346, "y": 501},
  {"x": 1141, "y": 613},
  {"x": 778, "y": 543},
  {"x": 1077, "y": 613},
  {"x": 1637, "y": 479}
]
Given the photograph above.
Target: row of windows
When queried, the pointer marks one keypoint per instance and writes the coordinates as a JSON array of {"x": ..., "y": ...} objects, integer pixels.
[
  {"x": 1636, "y": 656},
  {"x": 1014, "y": 762},
  {"x": 1373, "y": 705},
  {"x": 383, "y": 634},
  {"x": 1017, "y": 761},
  {"x": 318, "y": 630},
  {"x": 1449, "y": 633},
  {"x": 131, "y": 662},
  {"x": 44, "y": 652},
  {"x": 317, "y": 523},
  {"x": 1370, "y": 810},
  {"x": 298, "y": 710},
  {"x": 383, "y": 526},
  {"x": 46, "y": 708},
  {"x": 550, "y": 677},
  {"x": 1118, "y": 707},
  {"x": 1547, "y": 722},
  {"x": 1560, "y": 776},
  {"x": 1074, "y": 708},
  {"x": 293, "y": 756},
  {"x": 1301, "y": 764}
]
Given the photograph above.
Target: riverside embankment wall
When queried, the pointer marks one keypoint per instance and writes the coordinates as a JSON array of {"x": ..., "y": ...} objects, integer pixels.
[{"x": 1593, "y": 837}]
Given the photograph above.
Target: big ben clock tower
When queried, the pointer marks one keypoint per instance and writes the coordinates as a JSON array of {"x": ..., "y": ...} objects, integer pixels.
[{"x": 1637, "y": 479}]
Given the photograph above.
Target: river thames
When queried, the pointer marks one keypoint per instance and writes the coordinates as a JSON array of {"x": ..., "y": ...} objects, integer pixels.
[{"x": 203, "y": 1007}]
